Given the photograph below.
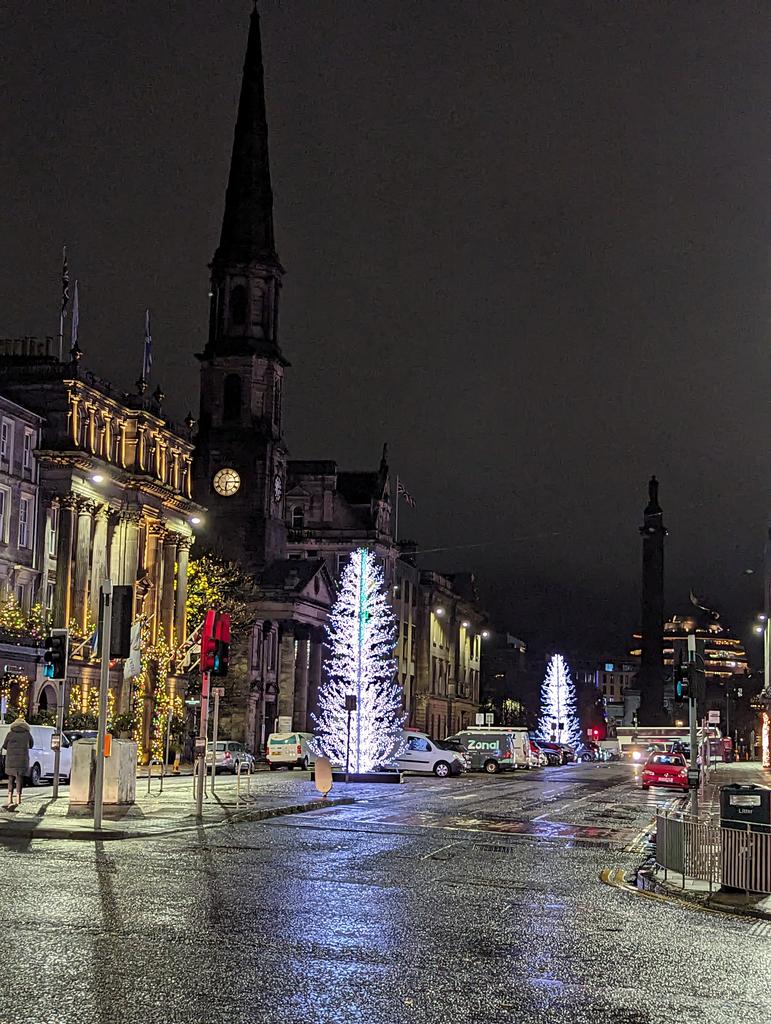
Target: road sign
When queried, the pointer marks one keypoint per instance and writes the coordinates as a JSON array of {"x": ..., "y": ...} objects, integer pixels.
[
  {"x": 480, "y": 719},
  {"x": 200, "y": 745},
  {"x": 714, "y": 718},
  {"x": 489, "y": 718}
]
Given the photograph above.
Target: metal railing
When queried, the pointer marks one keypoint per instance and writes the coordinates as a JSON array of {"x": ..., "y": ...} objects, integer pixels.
[
  {"x": 239, "y": 769},
  {"x": 733, "y": 854}
]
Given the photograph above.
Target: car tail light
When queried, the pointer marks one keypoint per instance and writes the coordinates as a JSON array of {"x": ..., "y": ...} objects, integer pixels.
[
  {"x": 228, "y": 755},
  {"x": 299, "y": 749}
]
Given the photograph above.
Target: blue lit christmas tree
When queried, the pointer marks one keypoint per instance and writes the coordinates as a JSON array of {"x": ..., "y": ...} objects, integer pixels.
[
  {"x": 559, "y": 715},
  {"x": 362, "y": 633}
]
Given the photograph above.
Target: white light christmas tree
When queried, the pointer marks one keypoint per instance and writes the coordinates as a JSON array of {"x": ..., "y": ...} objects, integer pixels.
[
  {"x": 362, "y": 633},
  {"x": 559, "y": 715}
]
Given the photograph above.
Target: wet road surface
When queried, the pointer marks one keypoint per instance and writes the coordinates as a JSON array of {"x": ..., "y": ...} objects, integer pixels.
[{"x": 474, "y": 899}]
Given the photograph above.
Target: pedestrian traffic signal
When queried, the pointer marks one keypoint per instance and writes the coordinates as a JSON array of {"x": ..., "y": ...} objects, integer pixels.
[
  {"x": 55, "y": 654},
  {"x": 682, "y": 682},
  {"x": 222, "y": 651},
  {"x": 215, "y": 644}
]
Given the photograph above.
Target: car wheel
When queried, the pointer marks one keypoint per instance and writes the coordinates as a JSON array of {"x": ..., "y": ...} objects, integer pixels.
[
  {"x": 491, "y": 767},
  {"x": 304, "y": 765},
  {"x": 273, "y": 767},
  {"x": 290, "y": 767},
  {"x": 34, "y": 775},
  {"x": 441, "y": 769}
]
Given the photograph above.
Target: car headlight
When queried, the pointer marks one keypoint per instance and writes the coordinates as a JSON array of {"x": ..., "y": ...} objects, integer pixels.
[{"x": 636, "y": 755}]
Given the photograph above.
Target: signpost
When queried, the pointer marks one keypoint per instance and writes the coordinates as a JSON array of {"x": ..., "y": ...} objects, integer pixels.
[
  {"x": 713, "y": 717},
  {"x": 104, "y": 682},
  {"x": 218, "y": 691}
]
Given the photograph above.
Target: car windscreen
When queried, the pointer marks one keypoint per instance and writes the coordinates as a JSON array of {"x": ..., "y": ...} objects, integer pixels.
[{"x": 667, "y": 759}]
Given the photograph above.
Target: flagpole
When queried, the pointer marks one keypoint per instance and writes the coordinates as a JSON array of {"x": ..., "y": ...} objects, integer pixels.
[
  {"x": 396, "y": 518},
  {"x": 64, "y": 300}
]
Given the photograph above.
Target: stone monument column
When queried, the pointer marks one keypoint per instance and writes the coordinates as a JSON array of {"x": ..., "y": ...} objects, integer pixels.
[
  {"x": 168, "y": 563},
  {"x": 61, "y": 609},
  {"x": 85, "y": 524},
  {"x": 301, "y": 680},
  {"x": 286, "y": 671},
  {"x": 180, "y": 616}
]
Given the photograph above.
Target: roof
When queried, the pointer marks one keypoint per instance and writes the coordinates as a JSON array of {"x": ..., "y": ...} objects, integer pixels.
[{"x": 293, "y": 574}]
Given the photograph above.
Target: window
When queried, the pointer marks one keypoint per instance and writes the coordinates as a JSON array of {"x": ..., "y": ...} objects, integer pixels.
[
  {"x": 6, "y": 441},
  {"x": 277, "y": 401},
  {"x": 25, "y": 521},
  {"x": 342, "y": 558},
  {"x": 238, "y": 306},
  {"x": 50, "y": 596},
  {"x": 54, "y": 531},
  {"x": 26, "y": 459},
  {"x": 418, "y": 743},
  {"x": 21, "y": 596},
  {"x": 298, "y": 518},
  {"x": 5, "y": 502},
  {"x": 231, "y": 398}
]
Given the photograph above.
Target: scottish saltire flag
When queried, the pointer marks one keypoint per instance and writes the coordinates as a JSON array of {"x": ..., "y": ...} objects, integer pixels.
[
  {"x": 147, "y": 359},
  {"x": 402, "y": 492},
  {"x": 65, "y": 281},
  {"x": 75, "y": 317}
]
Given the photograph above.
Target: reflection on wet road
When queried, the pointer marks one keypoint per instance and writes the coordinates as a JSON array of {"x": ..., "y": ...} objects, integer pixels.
[{"x": 440, "y": 901}]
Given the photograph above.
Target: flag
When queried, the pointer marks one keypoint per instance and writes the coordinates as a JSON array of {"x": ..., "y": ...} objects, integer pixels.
[
  {"x": 133, "y": 664},
  {"x": 147, "y": 358},
  {"x": 402, "y": 492},
  {"x": 75, "y": 318},
  {"x": 65, "y": 281}
]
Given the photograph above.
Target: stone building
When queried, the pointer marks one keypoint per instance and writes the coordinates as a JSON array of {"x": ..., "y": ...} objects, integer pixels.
[
  {"x": 20, "y": 545},
  {"x": 450, "y": 632},
  {"x": 115, "y": 479}
]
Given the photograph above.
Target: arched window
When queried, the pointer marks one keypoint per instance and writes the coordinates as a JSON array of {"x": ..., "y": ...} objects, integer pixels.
[
  {"x": 231, "y": 398},
  {"x": 238, "y": 305},
  {"x": 298, "y": 518}
]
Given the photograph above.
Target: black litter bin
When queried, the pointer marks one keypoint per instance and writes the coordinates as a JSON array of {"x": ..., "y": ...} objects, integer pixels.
[{"x": 745, "y": 837}]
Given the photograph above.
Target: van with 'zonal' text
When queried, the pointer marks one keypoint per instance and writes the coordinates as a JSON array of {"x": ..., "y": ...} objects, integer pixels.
[{"x": 493, "y": 748}]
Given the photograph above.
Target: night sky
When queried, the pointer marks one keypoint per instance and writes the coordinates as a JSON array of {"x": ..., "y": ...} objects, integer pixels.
[{"x": 525, "y": 242}]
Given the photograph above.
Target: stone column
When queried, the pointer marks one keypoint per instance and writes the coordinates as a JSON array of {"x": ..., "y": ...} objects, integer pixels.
[
  {"x": 301, "y": 681},
  {"x": 286, "y": 672},
  {"x": 180, "y": 615},
  {"x": 169, "y": 558},
  {"x": 128, "y": 553},
  {"x": 61, "y": 610},
  {"x": 85, "y": 523},
  {"x": 314, "y": 679},
  {"x": 99, "y": 558},
  {"x": 151, "y": 609}
]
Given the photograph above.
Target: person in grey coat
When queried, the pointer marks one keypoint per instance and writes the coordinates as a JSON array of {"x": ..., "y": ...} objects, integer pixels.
[{"x": 16, "y": 746}]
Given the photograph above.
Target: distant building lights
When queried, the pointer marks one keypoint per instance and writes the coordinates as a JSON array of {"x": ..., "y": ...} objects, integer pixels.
[{"x": 485, "y": 634}]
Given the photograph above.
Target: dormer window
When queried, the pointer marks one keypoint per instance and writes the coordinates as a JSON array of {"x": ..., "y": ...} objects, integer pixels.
[{"x": 238, "y": 305}]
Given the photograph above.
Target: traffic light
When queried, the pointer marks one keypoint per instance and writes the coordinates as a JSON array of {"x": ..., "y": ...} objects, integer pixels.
[
  {"x": 222, "y": 651},
  {"x": 209, "y": 641},
  {"x": 682, "y": 682},
  {"x": 55, "y": 654}
]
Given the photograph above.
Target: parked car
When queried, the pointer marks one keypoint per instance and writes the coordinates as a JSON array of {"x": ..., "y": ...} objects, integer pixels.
[
  {"x": 665, "y": 770},
  {"x": 493, "y": 748},
  {"x": 41, "y": 755},
  {"x": 422, "y": 754},
  {"x": 586, "y": 752},
  {"x": 554, "y": 752},
  {"x": 228, "y": 756},
  {"x": 290, "y": 750},
  {"x": 538, "y": 755}
]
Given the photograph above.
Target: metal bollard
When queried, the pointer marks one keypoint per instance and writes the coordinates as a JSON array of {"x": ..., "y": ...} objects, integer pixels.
[{"x": 149, "y": 774}]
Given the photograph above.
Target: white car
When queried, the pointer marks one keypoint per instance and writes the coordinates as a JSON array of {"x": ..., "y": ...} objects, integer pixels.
[
  {"x": 41, "y": 754},
  {"x": 290, "y": 750},
  {"x": 422, "y": 754}
]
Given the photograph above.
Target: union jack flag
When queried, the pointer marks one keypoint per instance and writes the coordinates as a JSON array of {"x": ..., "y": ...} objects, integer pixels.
[{"x": 402, "y": 492}]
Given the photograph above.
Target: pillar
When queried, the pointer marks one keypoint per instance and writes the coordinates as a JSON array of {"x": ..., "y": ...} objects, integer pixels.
[
  {"x": 314, "y": 680},
  {"x": 61, "y": 610},
  {"x": 286, "y": 674},
  {"x": 99, "y": 558},
  {"x": 168, "y": 563},
  {"x": 128, "y": 553},
  {"x": 180, "y": 617},
  {"x": 151, "y": 608},
  {"x": 301, "y": 682},
  {"x": 85, "y": 522}
]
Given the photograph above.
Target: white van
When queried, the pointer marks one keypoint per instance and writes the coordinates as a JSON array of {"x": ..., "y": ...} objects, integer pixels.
[
  {"x": 290, "y": 750},
  {"x": 422, "y": 754},
  {"x": 494, "y": 748},
  {"x": 41, "y": 756}
]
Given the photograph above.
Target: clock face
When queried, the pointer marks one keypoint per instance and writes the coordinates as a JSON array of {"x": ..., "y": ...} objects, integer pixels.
[
  {"x": 226, "y": 482},
  {"x": 278, "y": 488}
]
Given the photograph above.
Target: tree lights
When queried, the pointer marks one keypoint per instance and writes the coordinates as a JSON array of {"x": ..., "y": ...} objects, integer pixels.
[
  {"x": 559, "y": 718},
  {"x": 362, "y": 632}
]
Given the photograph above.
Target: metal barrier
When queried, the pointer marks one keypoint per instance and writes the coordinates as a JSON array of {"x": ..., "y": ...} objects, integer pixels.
[
  {"x": 739, "y": 858},
  {"x": 196, "y": 769},
  {"x": 239, "y": 769}
]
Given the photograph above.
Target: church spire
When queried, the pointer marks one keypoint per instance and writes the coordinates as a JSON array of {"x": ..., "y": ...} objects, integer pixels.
[{"x": 247, "y": 226}]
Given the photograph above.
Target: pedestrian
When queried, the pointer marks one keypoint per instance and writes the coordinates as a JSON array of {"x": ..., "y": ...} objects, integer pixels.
[{"x": 17, "y": 745}]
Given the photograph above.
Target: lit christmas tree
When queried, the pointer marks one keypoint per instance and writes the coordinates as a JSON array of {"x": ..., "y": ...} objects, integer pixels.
[
  {"x": 559, "y": 716},
  {"x": 362, "y": 633}
]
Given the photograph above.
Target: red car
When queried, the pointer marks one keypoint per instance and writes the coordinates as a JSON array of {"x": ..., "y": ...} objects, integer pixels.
[{"x": 665, "y": 770}]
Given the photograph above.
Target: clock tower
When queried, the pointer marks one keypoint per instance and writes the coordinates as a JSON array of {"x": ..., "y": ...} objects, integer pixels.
[{"x": 240, "y": 454}]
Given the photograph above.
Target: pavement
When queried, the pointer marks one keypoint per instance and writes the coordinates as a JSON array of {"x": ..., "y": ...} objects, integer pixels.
[{"x": 470, "y": 899}]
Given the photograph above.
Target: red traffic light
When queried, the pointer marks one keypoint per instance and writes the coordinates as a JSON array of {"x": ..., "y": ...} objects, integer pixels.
[{"x": 209, "y": 641}]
